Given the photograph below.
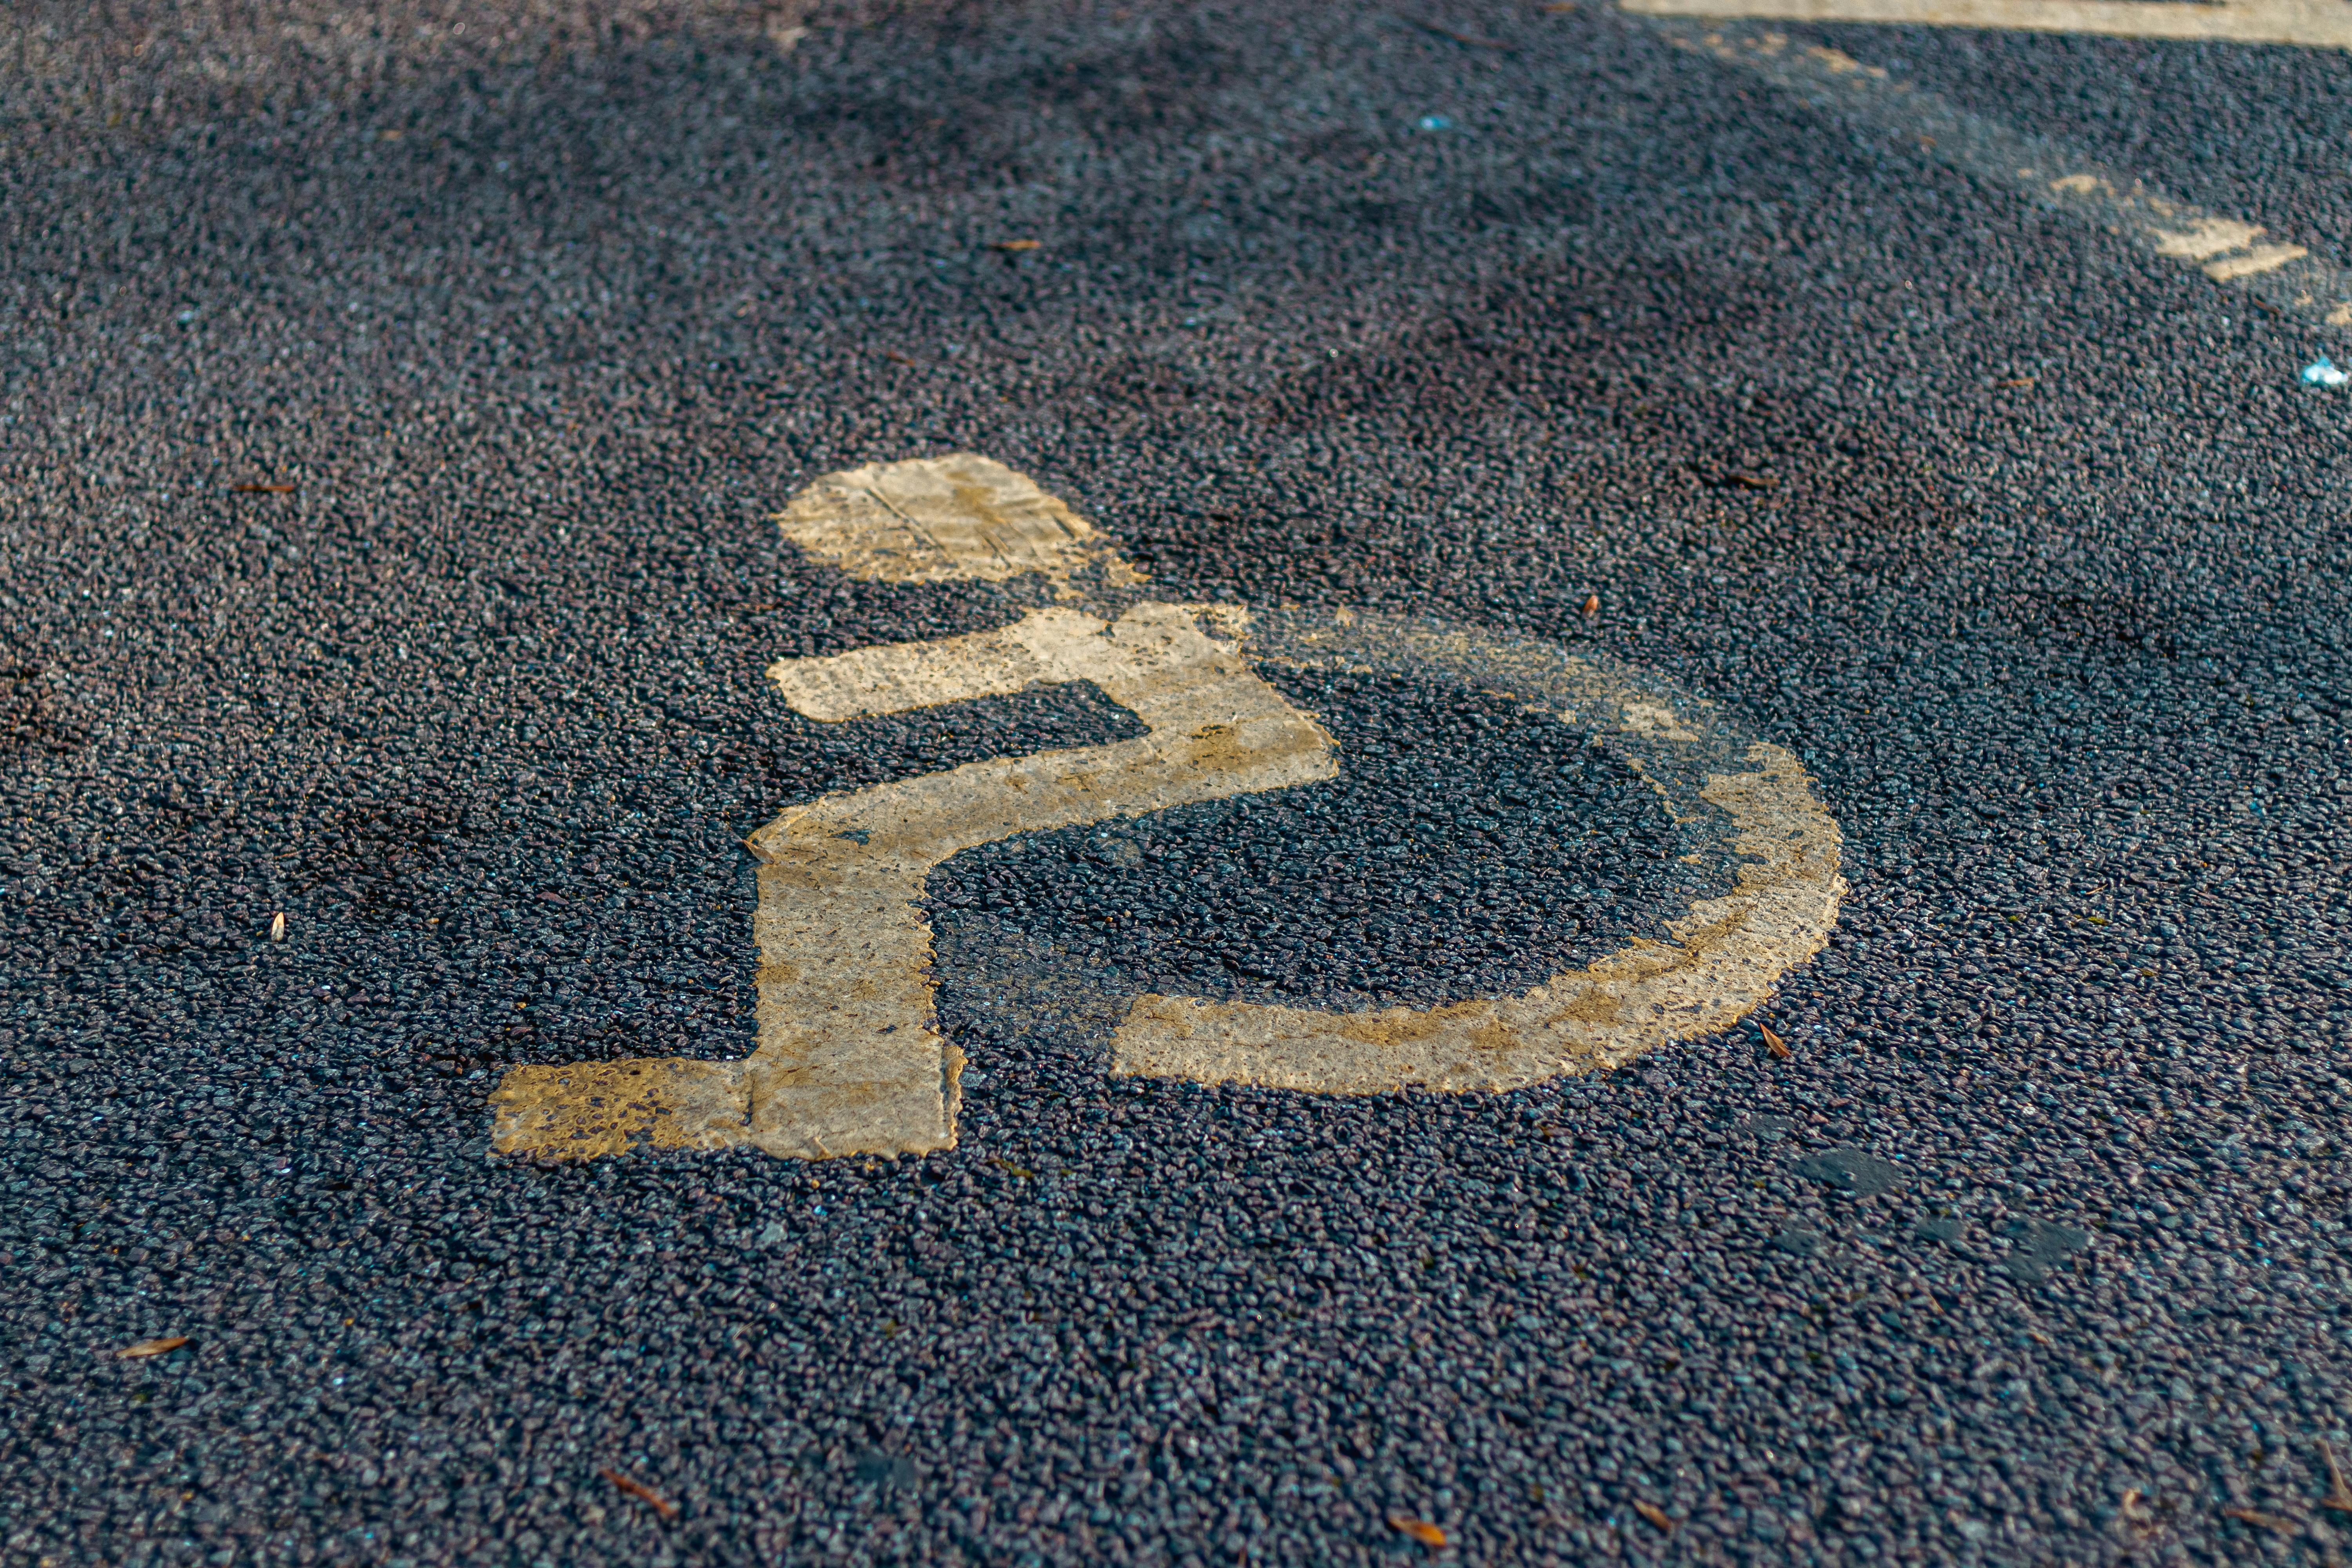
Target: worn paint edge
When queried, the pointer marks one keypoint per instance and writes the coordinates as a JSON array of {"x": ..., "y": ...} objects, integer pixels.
[
  {"x": 849, "y": 1060},
  {"x": 2325, "y": 25},
  {"x": 2284, "y": 277},
  {"x": 1728, "y": 956}
]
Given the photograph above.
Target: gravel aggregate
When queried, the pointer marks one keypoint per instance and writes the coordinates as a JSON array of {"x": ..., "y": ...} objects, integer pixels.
[{"x": 2033, "y": 1250}]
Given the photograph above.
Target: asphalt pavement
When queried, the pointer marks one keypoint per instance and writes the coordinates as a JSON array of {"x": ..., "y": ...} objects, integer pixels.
[{"x": 394, "y": 408}]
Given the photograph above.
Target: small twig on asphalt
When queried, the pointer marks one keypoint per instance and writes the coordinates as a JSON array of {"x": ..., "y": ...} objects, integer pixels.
[
  {"x": 2267, "y": 1521},
  {"x": 642, "y": 1493},
  {"x": 2339, "y": 1496}
]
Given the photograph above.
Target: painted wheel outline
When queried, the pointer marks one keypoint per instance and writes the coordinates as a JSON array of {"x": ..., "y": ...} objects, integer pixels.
[
  {"x": 850, "y": 1060},
  {"x": 1728, "y": 954}
]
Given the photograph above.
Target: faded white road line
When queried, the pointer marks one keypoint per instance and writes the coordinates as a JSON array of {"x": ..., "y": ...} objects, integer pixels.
[
  {"x": 2315, "y": 24},
  {"x": 850, "y": 1060},
  {"x": 2281, "y": 276}
]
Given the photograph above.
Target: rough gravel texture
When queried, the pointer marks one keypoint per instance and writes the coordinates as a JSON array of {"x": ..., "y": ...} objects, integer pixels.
[{"x": 2031, "y": 1251}]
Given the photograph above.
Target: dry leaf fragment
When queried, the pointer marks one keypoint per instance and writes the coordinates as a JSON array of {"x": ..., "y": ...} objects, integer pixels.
[
  {"x": 263, "y": 490},
  {"x": 1010, "y": 245},
  {"x": 1774, "y": 1043},
  {"x": 1592, "y": 606},
  {"x": 2267, "y": 1521},
  {"x": 278, "y": 926},
  {"x": 641, "y": 1492},
  {"x": 2339, "y": 1496},
  {"x": 1421, "y": 1530},
  {"x": 151, "y": 1347},
  {"x": 1656, "y": 1515}
]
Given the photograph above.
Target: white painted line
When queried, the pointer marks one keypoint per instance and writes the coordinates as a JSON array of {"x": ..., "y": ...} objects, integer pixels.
[
  {"x": 2314, "y": 23},
  {"x": 2285, "y": 278}
]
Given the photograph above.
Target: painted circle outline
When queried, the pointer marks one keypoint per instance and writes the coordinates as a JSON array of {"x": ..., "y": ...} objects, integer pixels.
[{"x": 1727, "y": 955}]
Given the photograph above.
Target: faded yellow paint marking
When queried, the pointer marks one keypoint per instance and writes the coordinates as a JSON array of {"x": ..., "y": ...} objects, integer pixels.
[
  {"x": 957, "y": 519},
  {"x": 850, "y": 1060},
  {"x": 2208, "y": 236},
  {"x": 1726, "y": 956},
  {"x": 2261, "y": 258},
  {"x": 1653, "y": 718},
  {"x": 1045, "y": 647},
  {"x": 1839, "y": 61},
  {"x": 588, "y": 1109}
]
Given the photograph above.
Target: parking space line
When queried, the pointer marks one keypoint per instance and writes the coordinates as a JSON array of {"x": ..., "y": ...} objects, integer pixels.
[
  {"x": 2314, "y": 23},
  {"x": 2284, "y": 276}
]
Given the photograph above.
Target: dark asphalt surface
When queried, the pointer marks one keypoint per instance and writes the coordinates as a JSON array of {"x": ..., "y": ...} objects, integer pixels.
[{"x": 2034, "y": 1251}]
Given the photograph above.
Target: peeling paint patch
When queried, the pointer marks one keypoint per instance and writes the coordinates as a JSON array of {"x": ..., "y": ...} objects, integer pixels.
[
  {"x": 2285, "y": 278},
  {"x": 2208, "y": 236},
  {"x": 2261, "y": 258}
]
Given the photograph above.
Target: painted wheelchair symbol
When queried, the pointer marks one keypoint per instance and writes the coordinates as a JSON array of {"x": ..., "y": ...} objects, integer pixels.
[{"x": 850, "y": 1060}]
